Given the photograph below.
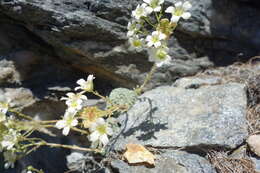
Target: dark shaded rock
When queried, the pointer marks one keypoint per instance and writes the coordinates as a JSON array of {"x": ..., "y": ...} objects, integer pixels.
[
  {"x": 78, "y": 162},
  {"x": 169, "y": 162},
  {"x": 90, "y": 36},
  {"x": 196, "y": 119}
]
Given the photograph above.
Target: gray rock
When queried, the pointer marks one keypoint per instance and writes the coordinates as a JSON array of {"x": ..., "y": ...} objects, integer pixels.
[
  {"x": 84, "y": 163},
  {"x": 17, "y": 97},
  {"x": 196, "y": 119},
  {"x": 253, "y": 142},
  {"x": 169, "y": 162},
  {"x": 73, "y": 30},
  {"x": 196, "y": 82}
]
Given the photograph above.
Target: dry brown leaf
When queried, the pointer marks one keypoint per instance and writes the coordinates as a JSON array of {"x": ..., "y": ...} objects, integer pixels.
[{"x": 136, "y": 153}]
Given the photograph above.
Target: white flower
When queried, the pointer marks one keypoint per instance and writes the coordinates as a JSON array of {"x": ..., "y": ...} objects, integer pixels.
[
  {"x": 10, "y": 139},
  {"x": 140, "y": 11},
  {"x": 86, "y": 85},
  {"x": 2, "y": 117},
  {"x": 100, "y": 131},
  {"x": 132, "y": 27},
  {"x": 179, "y": 11},
  {"x": 74, "y": 101},
  {"x": 155, "y": 39},
  {"x": 136, "y": 43},
  {"x": 66, "y": 123},
  {"x": 154, "y": 5},
  {"x": 3, "y": 108},
  {"x": 159, "y": 55},
  {"x": 10, "y": 158}
]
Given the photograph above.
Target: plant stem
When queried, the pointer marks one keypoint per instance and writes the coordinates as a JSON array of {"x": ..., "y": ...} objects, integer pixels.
[
  {"x": 158, "y": 17},
  {"x": 73, "y": 147},
  {"x": 20, "y": 114},
  {"x": 102, "y": 97},
  {"x": 49, "y": 121},
  {"x": 80, "y": 131},
  {"x": 148, "y": 21},
  {"x": 140, "y": 89}
]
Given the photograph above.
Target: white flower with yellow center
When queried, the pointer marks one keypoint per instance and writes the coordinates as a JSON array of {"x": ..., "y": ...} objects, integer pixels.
[
  {"x": 159, "y": 56},
  {"x": 10, "y": 158},
  {"x": 132, "y": 28},
  {"x": 136, "y": 43},
  {"x": 100, "y": 131},
  {"x": 155, "y": 39},
  {"x": 86, "y": 85},
  {"x": 153, "y": 5},
  {"x": 140, "y": 11},
  {"x": 74, "y": 101},
  {"x": 66, "y": 123},
  {"x": 10, "y": 139},
  {"x": 179, "y": 11}
]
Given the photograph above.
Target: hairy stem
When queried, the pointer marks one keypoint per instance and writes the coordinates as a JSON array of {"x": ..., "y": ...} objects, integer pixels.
[
  {"x": 20, "y": 114},
  {"x": 140, "y": 89}
]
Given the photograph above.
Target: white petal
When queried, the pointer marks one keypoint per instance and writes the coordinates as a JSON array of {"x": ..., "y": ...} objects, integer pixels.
[
  {"x": 148, "y": 38},
  {"x": 104, "y": 139},
  {"x": 70, "y": 95},
  {"x": 161, "y": 1},
  {"x": 109, "y": 131},
  {"x": 143, "y": 5},
  {"x": 74, "y": 123},
  {"x": 64, "y": 98},
  {"x": 66, "y": 131},
  {"x": 100, "y": 121},
  {"x": 60, "y": 124},
  {"x": 162, "y": 36},
  {"x": 157, "y": 44},
  {"x": 72, "y": 110},
  {"x": 159, "y": 64},
  {"x": 157, "y": 9},
  {"x": 155, "y": 33},
  {"x": 130, "y": 33},
  {"x": 178, "y": 4},
  {"x": 150, "y": 44},
  {"x": 147, "y": 1},
  {"x": 81, "y": 82},
  {"x": 91, "y": 77},
  {"x": 148, "y": 10},
  {"x": 170, "y": 9},
  {"x": 94, "y": 136},
  {"x": 175, "y": 19},
  {"x": 68, "y": 114},
  {"x": 78, "y": 88},
  {"x": 83, "y": 97},
  {"x": 186, "y": 5},
  {"x": 186, "y": 15}
]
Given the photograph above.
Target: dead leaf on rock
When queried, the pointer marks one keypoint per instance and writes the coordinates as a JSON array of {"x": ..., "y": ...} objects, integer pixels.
[{"x": 136, "y": 153}]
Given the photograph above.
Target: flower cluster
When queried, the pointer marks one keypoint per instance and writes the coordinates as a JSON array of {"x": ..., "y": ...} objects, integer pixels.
[
  {"x": 90, "y": 118},
  {"x": 149, "y": 15},
  {"x": 9, "y": 137}
]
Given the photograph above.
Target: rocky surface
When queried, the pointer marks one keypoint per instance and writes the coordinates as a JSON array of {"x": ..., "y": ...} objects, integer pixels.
[
  {"x": 46, "y": 46},
  {"x": 169, "y": 162},
  {"x": 193, "y": 118},
  {"x": 219, "y": 32}
]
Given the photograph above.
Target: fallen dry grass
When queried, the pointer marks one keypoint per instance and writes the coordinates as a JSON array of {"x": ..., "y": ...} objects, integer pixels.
[
  {"x": 224, "y": 164},
  {"x": 248, "y": 74}
]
